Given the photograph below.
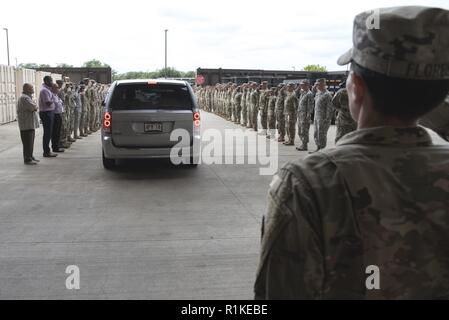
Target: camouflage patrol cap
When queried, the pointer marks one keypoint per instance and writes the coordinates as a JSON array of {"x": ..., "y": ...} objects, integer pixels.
[
  {"x": 406, "y": 42},
  {"x": 322, "y": 80},
  {"x": 304, "y": 81}
]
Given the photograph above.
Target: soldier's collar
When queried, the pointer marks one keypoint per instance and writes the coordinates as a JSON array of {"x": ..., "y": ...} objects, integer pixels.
[{"x": 393, "y": 136}]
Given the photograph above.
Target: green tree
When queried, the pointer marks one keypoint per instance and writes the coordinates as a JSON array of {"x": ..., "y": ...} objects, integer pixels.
[
  {"x": 315, "y": 67},
  {"x": 32, "y": 65},
  {"x": 28, "y": 65},
  {"x": 189, "y": 74},
  {"x": 161, "y": 73},
  {"x": 168, "y": 73},
  {"x": 94, "y": 63}
]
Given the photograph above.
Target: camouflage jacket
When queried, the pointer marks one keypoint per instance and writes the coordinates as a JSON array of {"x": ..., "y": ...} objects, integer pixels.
[
  {"x": 238, "y": 99},
  {"x": 381, "y": 197},
  {"x": 271, "y": 105},
  {"x": 306, "y": 105},
  {"x": 263, "y": 100},
  {"x": 324, "y": 110},
  {"x": 341, "y": 104},
  {"x": 254, "y": 98},
  {"x": 291, "y": 104},
  {"x": 279, "y": 107}
]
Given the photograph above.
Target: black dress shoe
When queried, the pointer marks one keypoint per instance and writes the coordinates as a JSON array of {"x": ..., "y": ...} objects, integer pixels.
[
  {"x": 30, "y": 163},
  {"x": 50, "y": 155},
  {"x": 34, "y": 159},
  {"x": 58, "y": 150}
]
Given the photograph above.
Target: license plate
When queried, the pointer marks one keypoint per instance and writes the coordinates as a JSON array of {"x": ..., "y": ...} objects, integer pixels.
[{"x": 153, "y": 127}]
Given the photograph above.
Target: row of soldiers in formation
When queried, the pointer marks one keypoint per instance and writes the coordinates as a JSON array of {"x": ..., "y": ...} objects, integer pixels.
[
  {"x": 281, "y": 108},
  {"x": 82, "y": 109}
]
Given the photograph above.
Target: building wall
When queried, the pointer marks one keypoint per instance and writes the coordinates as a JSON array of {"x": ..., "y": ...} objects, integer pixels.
[
  {"x": 273, "y": 77},
  {"x": 7, "y": 94},
  {"x": 100, "y": 75},
  {"x": 11, "y": 85}
]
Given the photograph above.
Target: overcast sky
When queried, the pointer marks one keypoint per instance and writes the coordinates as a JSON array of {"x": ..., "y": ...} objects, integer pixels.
[{"x": 129, "y": 35}]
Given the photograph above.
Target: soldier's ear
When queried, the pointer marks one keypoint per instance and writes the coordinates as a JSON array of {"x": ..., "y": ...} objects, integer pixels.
[
  {"x": 357, "y": 88},
  {"x": 357, "y": 92}
]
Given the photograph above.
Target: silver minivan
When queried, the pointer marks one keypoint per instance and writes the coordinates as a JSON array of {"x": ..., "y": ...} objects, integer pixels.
[{"x": 140, "y": 116}]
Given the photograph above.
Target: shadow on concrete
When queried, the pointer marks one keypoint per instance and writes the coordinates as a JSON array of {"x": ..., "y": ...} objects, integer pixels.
[{"x": 151, "y": 169}]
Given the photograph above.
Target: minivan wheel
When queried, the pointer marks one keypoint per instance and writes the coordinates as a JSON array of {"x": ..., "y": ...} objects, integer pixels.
[{"x": 108, "y": 163}]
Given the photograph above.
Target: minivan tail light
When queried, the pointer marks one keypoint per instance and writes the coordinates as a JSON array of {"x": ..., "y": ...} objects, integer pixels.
[
  {"x": 107, "y": 122},
  {"x": 196, "y": 119}
]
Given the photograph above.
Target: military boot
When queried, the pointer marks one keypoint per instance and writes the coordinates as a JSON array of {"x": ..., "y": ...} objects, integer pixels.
[{"x": 302, "y": 148}]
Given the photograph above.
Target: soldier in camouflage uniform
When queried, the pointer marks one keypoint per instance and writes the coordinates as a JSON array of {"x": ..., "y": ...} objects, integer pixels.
[
  {"x": 61, "y": 94},
  {"x": 244, "y": 105},
  {"x": 93, "y": 102},
  {"x": 271, "y": 114},
  {"x": 324, "y": 112},
  {"x": 279, "y": 110},
  {"x": 70, "y": 113},
  {"x": 82, "y": 111},
  {"x": 254, "y": 98},
  {"x": 290, "y": 113},
  {"x": 66, "y": 139},
  {"x": 305, "y": 110},
  {"x": 86, "y": 105},
  {"x": 380, "y": 198},
  {"x": 344, "y": 121},
  {"x": 251, "y": 88},
  {"x": 77, "y": 114},
  {"x": 263, "y": 106},
  {"x": 238, "y": 105}
]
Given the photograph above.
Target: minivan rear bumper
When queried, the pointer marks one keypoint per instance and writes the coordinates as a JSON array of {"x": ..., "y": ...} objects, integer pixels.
[{"x": 113, "y": 152}]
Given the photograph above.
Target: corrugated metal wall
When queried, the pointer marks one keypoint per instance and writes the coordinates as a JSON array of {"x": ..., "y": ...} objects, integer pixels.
[
  {"x": 24, "y": 76},
  {"x": 11, "y": 84},
  {"x": 7, "y": 94}
]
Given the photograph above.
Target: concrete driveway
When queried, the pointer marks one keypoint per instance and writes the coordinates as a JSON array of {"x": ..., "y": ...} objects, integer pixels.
[{"x": 148, "y": 230}]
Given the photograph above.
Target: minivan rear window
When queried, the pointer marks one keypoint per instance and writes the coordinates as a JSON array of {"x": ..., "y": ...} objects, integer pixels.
[{"x": 144, "y": 96}]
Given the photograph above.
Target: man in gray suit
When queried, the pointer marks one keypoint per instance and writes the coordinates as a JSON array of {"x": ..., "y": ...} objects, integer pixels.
[{"x": 28, "y": 122}]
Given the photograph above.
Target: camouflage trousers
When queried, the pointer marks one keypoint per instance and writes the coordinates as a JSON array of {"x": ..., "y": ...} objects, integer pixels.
[
  {"x": 229, "y": 111},
  {"x": 343, "y": 129},
  {"x": 320, "y": 133},
  {"x": 63, "y": 130},
  {"x": 86, "y": 119},
  {"x": 70, "y": 122},
  {"x": 92, "y": 118},
  {"x": 254, "y": 115},
  {"x": 99, "y": 115},
  {"x": 264, "y": 118},
  {"x": 237, "y": 113},
  {"x": 76, "y": 122},
  {"x": 82, "y": 122},
  {"x": 271, "y": 120},
  {"x": 244, "y": 114},
  {"x": 280, "y": 118},
  {"x": 290, "y": 125},
  {"x": 304, "y": 128},
  {"x": 250, "y": 116}
]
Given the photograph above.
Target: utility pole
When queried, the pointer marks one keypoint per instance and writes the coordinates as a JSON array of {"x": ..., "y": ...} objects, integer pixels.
[
  {"x": 7, "y": 43},
  {"x": 166, "y": 53}
]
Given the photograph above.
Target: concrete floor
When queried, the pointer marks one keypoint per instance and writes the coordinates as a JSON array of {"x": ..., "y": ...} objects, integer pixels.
[{"x": 148, "y": 230}]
